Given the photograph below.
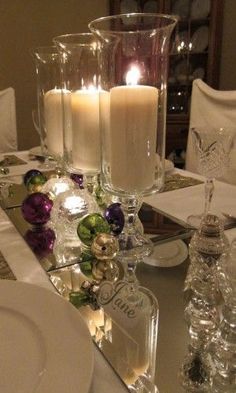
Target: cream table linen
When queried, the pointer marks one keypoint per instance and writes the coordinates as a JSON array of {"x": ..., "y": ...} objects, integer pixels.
[
  {"x": 17, "y": 171},
  {"x": 179, "y": 204}
]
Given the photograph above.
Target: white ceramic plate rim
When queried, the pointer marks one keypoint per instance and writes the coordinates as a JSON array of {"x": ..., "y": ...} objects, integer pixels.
[
  {"x": 68, "y": 348},
  {"x": 181, "y": 7},
  {"x": 172, "y": 261},
  {"x": 200, "y": 9},
  {"x": 200, "y": 39}
]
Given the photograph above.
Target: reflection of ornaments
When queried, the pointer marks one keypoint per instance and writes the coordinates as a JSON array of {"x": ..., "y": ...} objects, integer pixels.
[
  {"x": 35, "y": 183},
  {"x": 104, "y": 246},
  {"x": 41, "y": 240},
  {"x": 56, "y": 186},
  {"x": 90, "y": 226},
  {"x": 29, "y": 174},
  {"x": 78, "y": 179},
  {"x": 105, "y": 270},
  {"x": 115, "y": 217},
  {"x": 36, "y": 208}
]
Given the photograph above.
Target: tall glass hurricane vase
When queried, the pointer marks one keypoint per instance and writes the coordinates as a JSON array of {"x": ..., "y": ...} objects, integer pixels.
[
  {"x": 49, "y": 98},
  {"x": 81, "y": 78},
  {"x": 133, "y": 65}
]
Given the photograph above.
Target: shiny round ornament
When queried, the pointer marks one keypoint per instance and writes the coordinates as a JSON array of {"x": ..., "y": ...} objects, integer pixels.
[
  {"x": 35, "y": 183},
  {"x": 70, "y": 207},
  {"x": 90, "y": 226},
  {"x": 78, "y": 179},
  {"x": 105, "y": 246},
  {"x": 115, "y": 217},
  {"x": 36, "y": 208},
  {"x": 56, "y": 186},
  {"x": 41, "y": 241},
  {"x": 31, "y": 173},
  {"x": 105, "y": 270}
]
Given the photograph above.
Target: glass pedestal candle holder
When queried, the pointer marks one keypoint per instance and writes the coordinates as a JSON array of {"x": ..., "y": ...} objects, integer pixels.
[
  {"x": 49, "y": 98},
  {"x": 81, "y": 76},
  {"x": 223, "y": 348},
  {"x": 133, "y": 60}
]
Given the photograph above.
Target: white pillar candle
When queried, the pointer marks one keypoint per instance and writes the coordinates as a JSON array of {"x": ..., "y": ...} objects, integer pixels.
[
  {"x": 133, "y": 124},
  {"x": 85, "y": 130},
  {"x": 54, "y": 121}
]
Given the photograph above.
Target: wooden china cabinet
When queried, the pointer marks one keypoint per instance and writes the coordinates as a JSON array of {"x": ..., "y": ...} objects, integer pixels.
[{"x": 194, "y": 53}]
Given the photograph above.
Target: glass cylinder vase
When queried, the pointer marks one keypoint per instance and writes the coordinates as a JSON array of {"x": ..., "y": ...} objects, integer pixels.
[
  {"x": 81, "y": 77},
  {"x": 133, "y": 61},
  {"x": 49, "y": 98}
]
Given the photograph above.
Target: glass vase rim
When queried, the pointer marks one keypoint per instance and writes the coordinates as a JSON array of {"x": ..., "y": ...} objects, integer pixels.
[
  {"x": 171, "y": 17},
  {"x": 45, "y": 49},
  {"x": 41, "y": 53},
  {"x": 62, "y": 39}
]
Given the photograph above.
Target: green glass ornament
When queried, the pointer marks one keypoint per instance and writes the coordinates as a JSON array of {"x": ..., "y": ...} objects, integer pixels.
[
  {"x": 90, "y": 226},
  {"x": 36, "y": 183},
  {"x": 86, "y": 268}
]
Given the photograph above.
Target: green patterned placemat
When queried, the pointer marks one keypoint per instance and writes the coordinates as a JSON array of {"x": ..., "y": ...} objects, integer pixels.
[
  {"x": 176, "y": 181},
  {"x": 5, "y": 271}
]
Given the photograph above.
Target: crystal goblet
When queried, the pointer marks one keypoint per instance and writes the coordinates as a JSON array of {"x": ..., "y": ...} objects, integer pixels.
[
  {"x": 133, "y": 60},
  {"x": 212, "y": 147}
]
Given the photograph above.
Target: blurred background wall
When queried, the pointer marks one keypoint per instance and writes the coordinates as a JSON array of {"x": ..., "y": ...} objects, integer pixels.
[
  {"x": 228, "y": 53},
  {"x": 26, "y": 24}
]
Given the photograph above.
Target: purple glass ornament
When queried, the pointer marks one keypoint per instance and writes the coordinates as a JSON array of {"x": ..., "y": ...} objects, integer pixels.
[
  {"x": 115, "y": 217},
  {"x": 78, "y": 179},
  {"x": 41, "y": 241},
  {"x": 29, "y": 174},
  {"x": 36, "y": 208}
]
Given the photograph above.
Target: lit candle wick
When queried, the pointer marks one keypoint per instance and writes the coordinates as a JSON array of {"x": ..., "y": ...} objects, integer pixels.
[{"x": 133, "y": 76}]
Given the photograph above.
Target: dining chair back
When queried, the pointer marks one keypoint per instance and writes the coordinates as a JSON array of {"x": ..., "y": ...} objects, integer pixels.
[
  {"x": 211, "y": 108},
  {"x": 8, "y": 131}
]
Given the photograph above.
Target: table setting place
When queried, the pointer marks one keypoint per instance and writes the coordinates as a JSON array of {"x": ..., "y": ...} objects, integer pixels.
[{"x": 117, "y": 270}]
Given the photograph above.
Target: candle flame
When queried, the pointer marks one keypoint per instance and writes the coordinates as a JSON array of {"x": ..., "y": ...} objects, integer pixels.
[{"x": 133, "y": 76}]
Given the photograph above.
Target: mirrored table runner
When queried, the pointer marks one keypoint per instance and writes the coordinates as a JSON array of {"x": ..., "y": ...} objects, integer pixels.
[{"x": 165, "y": 283}]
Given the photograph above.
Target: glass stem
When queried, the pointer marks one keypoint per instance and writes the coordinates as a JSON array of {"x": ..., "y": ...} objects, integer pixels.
[
  {"x": 90, "y": 183},
  {"x": 209, "y": 189},
  {"x": 130, "y": 207}
]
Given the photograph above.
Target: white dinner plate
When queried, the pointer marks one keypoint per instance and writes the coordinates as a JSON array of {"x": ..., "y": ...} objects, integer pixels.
[
  {"x": 200, "y": 9},
  {"x": 168, "y": 254},
  {"x": 198, "y": 73},
  {"x": 200, "y": 39},
  {"x": 45, "y": 344},
  {"x": 181, "y": 8}
]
